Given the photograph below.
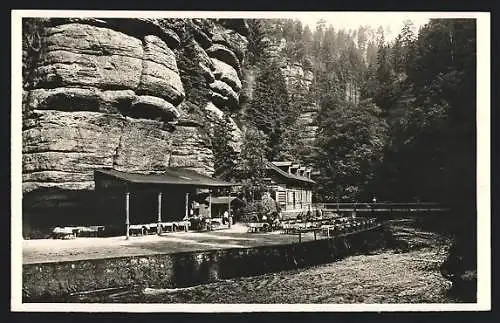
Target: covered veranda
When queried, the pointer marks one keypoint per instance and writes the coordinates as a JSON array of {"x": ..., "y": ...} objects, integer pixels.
[{"x": 139, "y": 202}]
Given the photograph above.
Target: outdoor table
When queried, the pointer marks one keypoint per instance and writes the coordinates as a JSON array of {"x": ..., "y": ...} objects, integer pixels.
[
  {"x": 138, "y": 227},
  {"x": 255, "y": 227},
  {"x": 302, "y": 230},
  {"x": 183, "y": 224},
  {"x": 327, "y": 228},
  {"x": 166, "y": 225}
]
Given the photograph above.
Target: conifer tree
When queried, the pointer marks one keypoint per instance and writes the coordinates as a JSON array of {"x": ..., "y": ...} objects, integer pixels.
[
  {"x": 253, "y": 160},
  {"x": 270, "y": 107},
  {"x": 225, "y": 158}
]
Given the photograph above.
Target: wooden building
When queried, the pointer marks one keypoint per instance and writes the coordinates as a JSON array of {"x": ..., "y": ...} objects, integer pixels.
[
  {"x": 125, "y": 199},
  {"x": 291, "y": 185}
]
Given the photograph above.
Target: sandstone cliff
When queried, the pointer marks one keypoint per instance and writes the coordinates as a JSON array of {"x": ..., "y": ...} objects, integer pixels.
[
  {"x": 299, "y": 81},
  {"x": 114, "y": 93}
]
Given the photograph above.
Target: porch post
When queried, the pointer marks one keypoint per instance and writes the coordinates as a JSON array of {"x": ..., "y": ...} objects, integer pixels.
[
  {"x": 127, "y": 215},
  {"x": 286, "y": 198},
  {"x": 229, "y": 208},
  {"x": 158, "y": 228},
  {"x": 210, "y": 203},
  {"x": 186, "y": 211}
]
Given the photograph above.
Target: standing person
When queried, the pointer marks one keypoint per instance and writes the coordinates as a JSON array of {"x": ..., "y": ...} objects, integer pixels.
[
  {"x": 205, "y": 215},
  {"x": 225, "y": 217},
  {"x": 308, "y": 215}
]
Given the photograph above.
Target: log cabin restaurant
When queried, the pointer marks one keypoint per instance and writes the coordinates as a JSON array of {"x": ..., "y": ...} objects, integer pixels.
[{"x": 291, "y": 185}]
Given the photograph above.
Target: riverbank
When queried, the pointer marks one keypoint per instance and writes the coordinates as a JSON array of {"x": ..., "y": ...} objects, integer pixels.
[
  {"x": 386, "y": 277},
  {"x": 407, "y": 272}
]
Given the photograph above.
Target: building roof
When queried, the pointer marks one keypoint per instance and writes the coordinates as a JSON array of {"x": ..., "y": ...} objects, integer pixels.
[
  {"x": 171, "y": 176},
  {"x": 282, "y": 163},
  {"x": 288, "y": 175}
]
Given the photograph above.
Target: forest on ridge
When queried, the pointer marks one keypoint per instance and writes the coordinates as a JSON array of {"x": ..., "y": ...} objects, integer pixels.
[{"x": 395, "y": 119}]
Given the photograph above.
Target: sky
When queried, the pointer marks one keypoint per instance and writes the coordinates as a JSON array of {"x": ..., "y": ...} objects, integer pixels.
[{"x": 391, "y": 22}]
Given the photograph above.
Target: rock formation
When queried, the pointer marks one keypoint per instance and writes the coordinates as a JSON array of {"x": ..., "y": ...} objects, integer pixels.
[
  {"x": 109, "y": 93},
  {"x": 299, "y": 81}
]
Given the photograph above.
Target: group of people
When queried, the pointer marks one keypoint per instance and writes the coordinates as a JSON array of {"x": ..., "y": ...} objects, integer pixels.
[
  {"x": 201, "y": 218},
  {"x": 199, "y": 215},
  {"x": 316, "y": 214}
]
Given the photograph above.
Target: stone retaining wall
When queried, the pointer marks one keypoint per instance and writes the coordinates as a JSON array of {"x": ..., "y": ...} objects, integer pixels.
[{"x": 54, "y": 282}]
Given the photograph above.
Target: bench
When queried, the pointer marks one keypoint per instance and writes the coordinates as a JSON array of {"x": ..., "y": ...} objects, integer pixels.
[
  {"x": 64, "y": 233},
  {"x": 91, "y": 231},
  {"x": 173, "y": 226},
  {"x": 73, "y": 232},
  {"x": 135, "y": 229},
  {"x": 152, "y": 228}
]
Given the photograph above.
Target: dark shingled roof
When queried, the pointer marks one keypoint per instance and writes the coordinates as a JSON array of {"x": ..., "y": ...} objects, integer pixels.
[
  {"x": 171, "y": 176},
  {"x": 288, "y": 175}
]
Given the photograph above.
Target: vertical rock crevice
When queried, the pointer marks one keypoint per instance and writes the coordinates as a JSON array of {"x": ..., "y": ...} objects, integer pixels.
[{"x": 117, "y": 151}]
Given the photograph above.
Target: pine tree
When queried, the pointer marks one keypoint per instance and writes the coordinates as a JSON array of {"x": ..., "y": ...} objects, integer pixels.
[
  {"x": 270, "y": 107},
  {"x": 256, "y": 42},
  {"x": 253, "y": 160},
  {"x": 225, "y": 158}
]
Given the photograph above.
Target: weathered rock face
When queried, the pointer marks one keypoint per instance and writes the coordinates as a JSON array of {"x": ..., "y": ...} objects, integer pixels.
[
  {"x": 107, "y": 93},
  {"x": 298, "y": 80},
  {"x": 294, "y": 73},
  {"x": 307, "y": 122},
  {"x": 236, "y": 132}
]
